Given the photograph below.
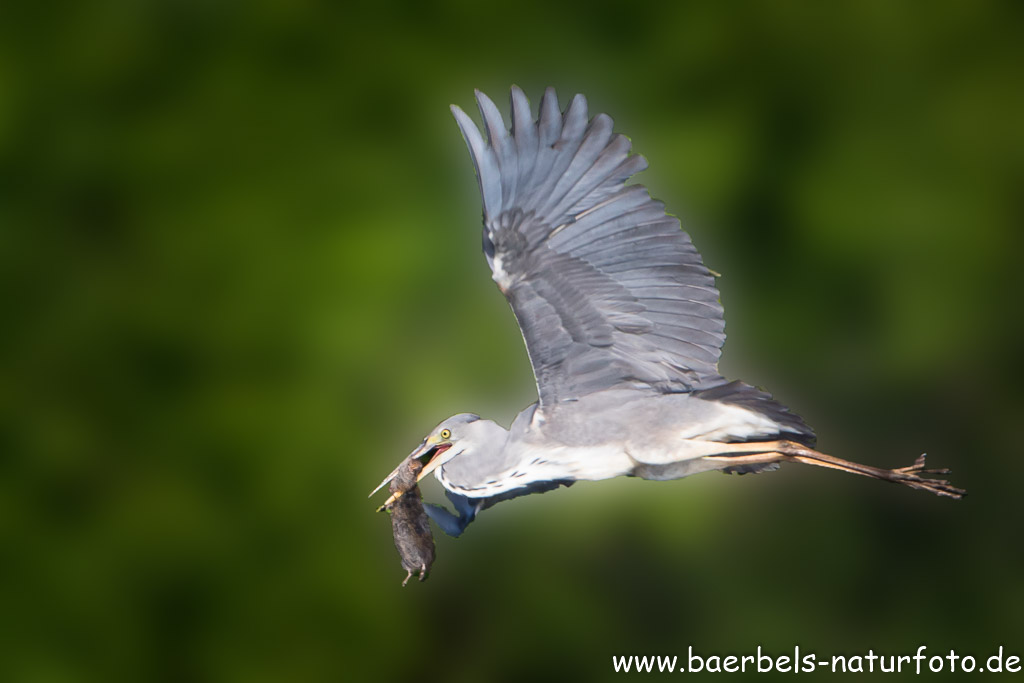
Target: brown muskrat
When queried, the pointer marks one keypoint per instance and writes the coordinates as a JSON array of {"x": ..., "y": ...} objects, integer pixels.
[{"x": 409, "y": 522}]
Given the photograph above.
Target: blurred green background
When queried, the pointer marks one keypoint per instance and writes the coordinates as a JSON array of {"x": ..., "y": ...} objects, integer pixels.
[{"x": 240, "y": 274}]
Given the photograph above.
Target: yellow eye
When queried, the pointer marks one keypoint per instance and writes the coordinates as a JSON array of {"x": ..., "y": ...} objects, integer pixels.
[{"x": 446, "y": 433}]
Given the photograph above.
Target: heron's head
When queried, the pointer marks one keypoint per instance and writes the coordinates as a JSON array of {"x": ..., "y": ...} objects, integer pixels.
[{"x": 447, "y": 440}]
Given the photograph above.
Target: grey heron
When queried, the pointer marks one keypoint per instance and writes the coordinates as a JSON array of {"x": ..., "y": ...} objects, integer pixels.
[{"x": 623, "y": 328}]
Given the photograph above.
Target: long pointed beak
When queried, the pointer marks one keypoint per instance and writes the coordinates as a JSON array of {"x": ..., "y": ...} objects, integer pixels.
[
  {"x": 432, "y": 464},
  {"x": 416, "y": 453}
]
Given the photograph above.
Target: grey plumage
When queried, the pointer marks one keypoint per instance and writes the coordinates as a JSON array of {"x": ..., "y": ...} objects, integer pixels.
[
  {"x": 607, "y": 289},
  {"x": 622, "y": 324}
]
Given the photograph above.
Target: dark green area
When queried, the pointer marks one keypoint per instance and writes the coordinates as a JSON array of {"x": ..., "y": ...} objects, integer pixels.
[{"x": 240, "y": 279}]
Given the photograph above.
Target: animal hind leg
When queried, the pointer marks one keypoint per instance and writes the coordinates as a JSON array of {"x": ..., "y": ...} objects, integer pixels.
[{"x": 782, "y": 451}]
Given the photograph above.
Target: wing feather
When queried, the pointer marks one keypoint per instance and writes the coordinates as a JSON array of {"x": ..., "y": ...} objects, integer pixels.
[{"x": 607, "y": 289}]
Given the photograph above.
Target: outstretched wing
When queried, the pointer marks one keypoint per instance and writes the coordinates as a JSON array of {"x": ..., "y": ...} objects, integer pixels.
[{"x": 607, "y": 289}]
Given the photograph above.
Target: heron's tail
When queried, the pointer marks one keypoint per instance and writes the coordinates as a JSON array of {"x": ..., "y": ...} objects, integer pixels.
[{"x": 791, "y": 425}]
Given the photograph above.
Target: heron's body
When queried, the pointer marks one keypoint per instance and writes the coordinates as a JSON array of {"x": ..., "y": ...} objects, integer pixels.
[
  {"x": 611, "y": 434},
  {"x": 622, "y": 323}
]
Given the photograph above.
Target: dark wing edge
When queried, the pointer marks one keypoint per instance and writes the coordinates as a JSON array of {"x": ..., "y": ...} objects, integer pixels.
[
  {"x": 791, "y": 425},
  {"x": 606, "y": 287}
]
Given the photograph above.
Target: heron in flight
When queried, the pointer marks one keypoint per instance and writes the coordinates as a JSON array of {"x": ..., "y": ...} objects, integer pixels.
[{"x": 622, "y": 324}]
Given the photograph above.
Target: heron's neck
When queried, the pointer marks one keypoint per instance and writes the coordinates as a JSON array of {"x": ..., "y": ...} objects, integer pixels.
[
  {"x": 485, "y": 452},
  {"x": 490, "y": 438}
]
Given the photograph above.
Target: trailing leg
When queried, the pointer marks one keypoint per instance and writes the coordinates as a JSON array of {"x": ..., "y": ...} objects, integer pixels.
[{"x": 790, "y": 451}]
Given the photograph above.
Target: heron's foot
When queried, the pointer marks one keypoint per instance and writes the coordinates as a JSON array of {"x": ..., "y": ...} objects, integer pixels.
[
  {"x": 918, "y": 467},
  {"x": 939, "y": 487},
  {"x": 407, "y": 577},
  {"x": 423, "y": 572},
  {"x": 908, "y": 476}
]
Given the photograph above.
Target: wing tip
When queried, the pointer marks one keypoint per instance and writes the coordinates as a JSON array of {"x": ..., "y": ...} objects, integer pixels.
[
  {"x": 469, "y": 129},
  {"x": 494, "y": 122}
]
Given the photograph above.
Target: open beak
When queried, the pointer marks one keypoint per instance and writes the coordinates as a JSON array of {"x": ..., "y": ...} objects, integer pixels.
[{"x": 430, "y": 452}]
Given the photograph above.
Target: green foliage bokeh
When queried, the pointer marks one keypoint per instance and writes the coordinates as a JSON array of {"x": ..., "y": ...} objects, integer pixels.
[{"x": 240, "y": 269}]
